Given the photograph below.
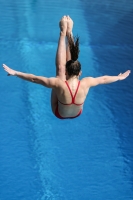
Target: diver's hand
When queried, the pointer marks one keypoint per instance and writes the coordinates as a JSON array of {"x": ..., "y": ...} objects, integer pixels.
[
  {"x": 124, "y": 75},
  {"x": 9, "y": 70}
]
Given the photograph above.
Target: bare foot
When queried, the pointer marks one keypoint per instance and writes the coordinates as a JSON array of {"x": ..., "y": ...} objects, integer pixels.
[
  {"x": 69, "y": 26},
  {"x": 63, "y": 25}
]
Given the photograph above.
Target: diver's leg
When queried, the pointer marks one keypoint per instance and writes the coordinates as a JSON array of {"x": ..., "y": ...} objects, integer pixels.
[
  {"x": 61, "y": 50},
  {"x": 60, "y": 60},
  {"x": 69, "y": 34}
]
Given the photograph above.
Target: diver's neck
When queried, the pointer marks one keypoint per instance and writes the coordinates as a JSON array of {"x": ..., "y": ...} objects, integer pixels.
[{"x": 72, "y": 78}]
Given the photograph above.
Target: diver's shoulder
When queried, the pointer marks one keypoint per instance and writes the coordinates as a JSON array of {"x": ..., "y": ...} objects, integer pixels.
[
  {"x": 60, "y": 82},
  {"x": 86, "y": 81}
]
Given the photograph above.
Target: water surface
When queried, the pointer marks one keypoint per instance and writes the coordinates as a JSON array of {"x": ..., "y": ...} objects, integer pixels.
[{"x": 87, "y": 158}]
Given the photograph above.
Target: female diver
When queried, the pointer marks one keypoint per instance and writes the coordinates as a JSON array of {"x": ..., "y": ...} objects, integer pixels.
[{"x": 68, "y": 92}]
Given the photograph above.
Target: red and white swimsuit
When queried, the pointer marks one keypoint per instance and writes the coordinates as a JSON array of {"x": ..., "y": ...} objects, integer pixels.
[{"x": 73, "y": 102}]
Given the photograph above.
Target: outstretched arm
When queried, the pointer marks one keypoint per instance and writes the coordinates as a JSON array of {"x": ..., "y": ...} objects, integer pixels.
[
  {"x": 106, "y": 79},
  {"x": 47, "y": 82}
]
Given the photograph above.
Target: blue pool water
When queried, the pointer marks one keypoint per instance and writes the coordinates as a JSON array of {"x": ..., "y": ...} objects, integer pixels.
[{"x": 87, "y": 158}]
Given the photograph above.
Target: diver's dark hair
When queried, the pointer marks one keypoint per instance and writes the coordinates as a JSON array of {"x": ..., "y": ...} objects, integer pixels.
[
  {"x": 74, "y": 47},
  {"x": 73, "y": 66}
]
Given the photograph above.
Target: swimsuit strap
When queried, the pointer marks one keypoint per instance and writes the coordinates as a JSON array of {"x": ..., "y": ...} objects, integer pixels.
[{"x": 73, "y": 97}]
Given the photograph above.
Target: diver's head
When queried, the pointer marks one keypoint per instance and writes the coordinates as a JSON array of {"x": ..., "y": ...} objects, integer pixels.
[{"x": 73, "y": 68}]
